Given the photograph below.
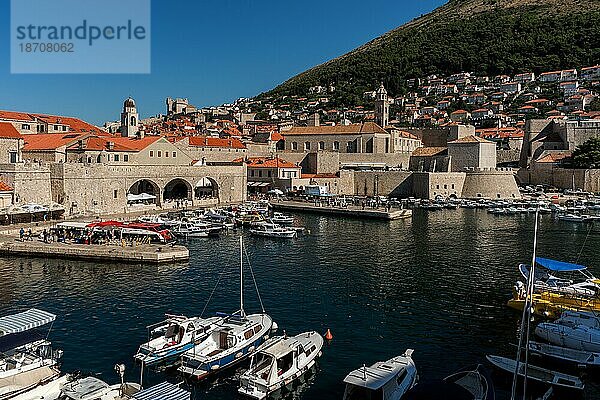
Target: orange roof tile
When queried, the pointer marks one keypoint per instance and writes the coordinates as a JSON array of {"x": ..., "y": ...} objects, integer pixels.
[
  {"x": 4, "y": 187},
  {"x": 49, "y": 141},
  {"x": 7, "y": 130}
]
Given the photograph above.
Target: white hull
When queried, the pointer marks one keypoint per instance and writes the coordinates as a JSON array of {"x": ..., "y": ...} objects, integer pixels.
[{"x": 579, "y": 337}]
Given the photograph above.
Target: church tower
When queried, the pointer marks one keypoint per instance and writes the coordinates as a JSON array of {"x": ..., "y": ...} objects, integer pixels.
[
  {"x": 382, "y": 107},
  {"x": 129, "y": 119}
]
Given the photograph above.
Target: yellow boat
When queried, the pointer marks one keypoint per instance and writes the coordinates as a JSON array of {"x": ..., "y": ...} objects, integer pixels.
[{"x": 551, "y": 304}]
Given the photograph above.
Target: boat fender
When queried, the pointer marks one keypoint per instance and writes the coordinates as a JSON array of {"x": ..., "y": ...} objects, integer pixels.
[
  {"x": 214, "y": 367},
  {"x": 238, "y": 355},
  {"x": 274, "y": 326},
  {"x": 251, "y": 349}
]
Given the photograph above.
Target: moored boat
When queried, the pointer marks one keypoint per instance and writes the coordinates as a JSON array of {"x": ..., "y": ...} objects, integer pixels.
[
  {"x": 579, "y": 357},
  {"x": 471, "y": 383},
  {"x": 278, "y": 363},
  {"x": 535, "y": 373},
  {"x": 385, "y": 379}
]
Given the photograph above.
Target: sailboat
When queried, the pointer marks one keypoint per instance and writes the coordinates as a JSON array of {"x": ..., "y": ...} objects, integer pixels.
[{"x": 234, "y": 339}]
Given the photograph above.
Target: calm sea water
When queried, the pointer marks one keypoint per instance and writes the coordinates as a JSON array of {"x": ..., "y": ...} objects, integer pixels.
[{"x": 437, "y": 283}]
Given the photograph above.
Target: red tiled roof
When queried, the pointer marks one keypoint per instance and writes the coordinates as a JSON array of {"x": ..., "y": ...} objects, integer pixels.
[
  {"x": 206, "y": 141},
  {"x": 7, "y": 130},
  {"x": 4, "y": 187},
  {"x": 554, "y": 157},
  {"x": 265, "y": 162},
  {"x": 49, "y": 141},
  {"x": 74, "y": 124}
]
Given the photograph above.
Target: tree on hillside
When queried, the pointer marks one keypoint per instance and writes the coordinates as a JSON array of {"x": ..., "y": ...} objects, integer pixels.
[{"x": 587, "y": 155}]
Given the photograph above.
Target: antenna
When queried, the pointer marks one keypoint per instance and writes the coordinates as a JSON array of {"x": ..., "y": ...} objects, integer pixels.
[{"x": 242, "y": 313}]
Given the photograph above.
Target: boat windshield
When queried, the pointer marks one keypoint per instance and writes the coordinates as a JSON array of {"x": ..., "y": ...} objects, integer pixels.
[{"x": 362, "y": 393}]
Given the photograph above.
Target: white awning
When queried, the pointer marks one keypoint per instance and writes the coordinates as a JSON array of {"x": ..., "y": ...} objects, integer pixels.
[
  {"x": 163, "y": 391},
  {"x": 258, "y": 184},
  {"x": 25, "y": 321},
  {"x": 141, "y": 196}
]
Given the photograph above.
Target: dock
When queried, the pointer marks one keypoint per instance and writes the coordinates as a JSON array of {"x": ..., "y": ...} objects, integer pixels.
[
  {"x": 349, "y": 211},
  {"x": 146, "y": 254}
]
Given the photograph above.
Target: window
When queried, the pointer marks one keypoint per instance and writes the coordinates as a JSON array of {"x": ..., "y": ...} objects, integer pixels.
[
  {"x": 294, "y": 146},
  {"x": 159, "y": 153},
  {"x": 336, "y": 146},
  {"x": 64, "y": 128},
  {"x": 306, "y": 146},
  {"x": 248, "y": 334},
  {"x": 125, "y": 157},
  {"x": 260, "y": 173},
  {"x": 174, "y": 154},
  {"x": 56, "y": 127},
  {"x": 25, "y": 126},
  {"x": 251, "y": 172},
  {"x": 115, "y": 193},
  {"x": 453, "y": 186},
  {"x": 269, "y": 173},
  {"x": 321, "y": 145},
  {"x": 151, "y": 153},
  {"x": 166, "y": 154},
  {"x": 117, "y": 157},
  {"x": 437, "y": 186},
  {"x": 13, "y": 156},
  {"x": 445, "y": 186}
]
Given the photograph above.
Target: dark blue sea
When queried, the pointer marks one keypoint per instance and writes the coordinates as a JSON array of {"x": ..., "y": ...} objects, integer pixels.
[{"x": 438, "y": 283}]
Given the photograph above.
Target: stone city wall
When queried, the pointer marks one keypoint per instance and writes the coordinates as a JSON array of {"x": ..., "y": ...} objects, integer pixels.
[{"x": 30, "y": 181}]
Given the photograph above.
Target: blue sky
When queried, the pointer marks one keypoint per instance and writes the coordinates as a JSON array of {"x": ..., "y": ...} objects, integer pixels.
[{"x": 210, "y": 51}]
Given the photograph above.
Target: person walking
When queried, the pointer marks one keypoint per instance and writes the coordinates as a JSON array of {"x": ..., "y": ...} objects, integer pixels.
[{"x": 21, "y": 233}]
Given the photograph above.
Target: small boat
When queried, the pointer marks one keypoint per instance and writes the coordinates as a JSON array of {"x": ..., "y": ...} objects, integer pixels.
[
  {"x": 188, "y": 229},
  {"x": 27, "y": 359},
  {"x": 579, "y": 357},
  {"x": 278, "y": 363},
  {"x": 233, "y": 340},
  {"x": 272, "y": 231},
  {"x": 536, "y": 373},
  {"x": 570, "y": 218},
  {"x": 281, "y": 219},
  {"x": 546, "y": 278},
  {"x": 91, "y": 388},
  {"x": 173, "y": 337},
  {"x": 472, "y": 383},
  {"x": 386, "y": 379},
  {"x": 571, "y": 335}
]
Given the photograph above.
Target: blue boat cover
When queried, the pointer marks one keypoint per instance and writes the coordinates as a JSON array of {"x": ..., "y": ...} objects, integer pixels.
[
  {"x": 163, "y": 391},
  {"x": 554, "y": 265},
  {"x": 25, "y": 321}
]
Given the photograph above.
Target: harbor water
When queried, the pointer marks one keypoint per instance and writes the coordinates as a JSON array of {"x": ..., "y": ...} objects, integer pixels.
[{"x": 437, "y": 283}]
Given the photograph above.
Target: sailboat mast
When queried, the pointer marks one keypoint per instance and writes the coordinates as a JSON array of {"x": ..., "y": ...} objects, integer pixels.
[{"x": 242, "y": 313}]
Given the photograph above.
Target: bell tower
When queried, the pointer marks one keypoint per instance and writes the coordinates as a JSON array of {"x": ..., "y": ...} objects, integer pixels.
[
  {"x": 382, "y": 107},
  {"x": 129, "y": 119}
]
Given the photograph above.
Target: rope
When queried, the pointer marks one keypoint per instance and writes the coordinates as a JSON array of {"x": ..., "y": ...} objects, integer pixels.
[
  {"x": 254, "y": 280},
  {"x": 213, "y": 292},
  {"x": 584, "y": 242}
]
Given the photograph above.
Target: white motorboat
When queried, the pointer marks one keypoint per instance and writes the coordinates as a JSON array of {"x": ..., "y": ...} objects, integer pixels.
[
  {"x": 570, "y": 217},
  {"x": 571, "y": 335},
  {"x": 27, "y": 359},
  {"x": 545, "y": 277},
  {"x": 579, "y": 357},
  {"x": 91, "y": 388},
  {"x": 188, "y": 229},
  {"x": 536, "y": 373},
  {"x": 233, "y": 340},
  {"x": 272, "y": 231},
  {"x": 173, "y": 337},
  {"x": 278, "y": 363},
  {"x": 281, "y": 219},
  {"x": 385, "y": 380}
]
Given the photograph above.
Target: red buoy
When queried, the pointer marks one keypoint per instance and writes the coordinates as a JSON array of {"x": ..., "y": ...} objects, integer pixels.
[{"x": 328, "y": 335}]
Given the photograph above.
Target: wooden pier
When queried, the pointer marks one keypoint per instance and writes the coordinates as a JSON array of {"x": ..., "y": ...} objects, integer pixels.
[
  {"x": 349, "y": 211},
  {"x": 145, "y": 254}
]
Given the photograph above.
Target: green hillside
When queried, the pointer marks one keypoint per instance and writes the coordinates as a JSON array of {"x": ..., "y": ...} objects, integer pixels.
[{"x": 482, "y": 36}]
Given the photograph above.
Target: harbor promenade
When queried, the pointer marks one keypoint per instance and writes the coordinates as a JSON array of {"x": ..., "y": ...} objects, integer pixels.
[
  {"x": 345, "y": 211},
  {"x": 147, "y": 253}
]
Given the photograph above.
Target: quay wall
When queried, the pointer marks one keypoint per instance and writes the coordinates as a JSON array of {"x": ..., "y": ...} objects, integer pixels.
[{"x": 562, "y": 178}]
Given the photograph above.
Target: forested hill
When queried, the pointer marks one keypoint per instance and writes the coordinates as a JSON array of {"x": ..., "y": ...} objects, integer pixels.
[{"x": 483, "y": 36}]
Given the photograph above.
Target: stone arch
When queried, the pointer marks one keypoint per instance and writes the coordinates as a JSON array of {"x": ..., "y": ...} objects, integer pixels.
[
  {"x": 206, "y": 187},
  {"x": 145, "y": 186},
  {"x": 177, "y": 189}
]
